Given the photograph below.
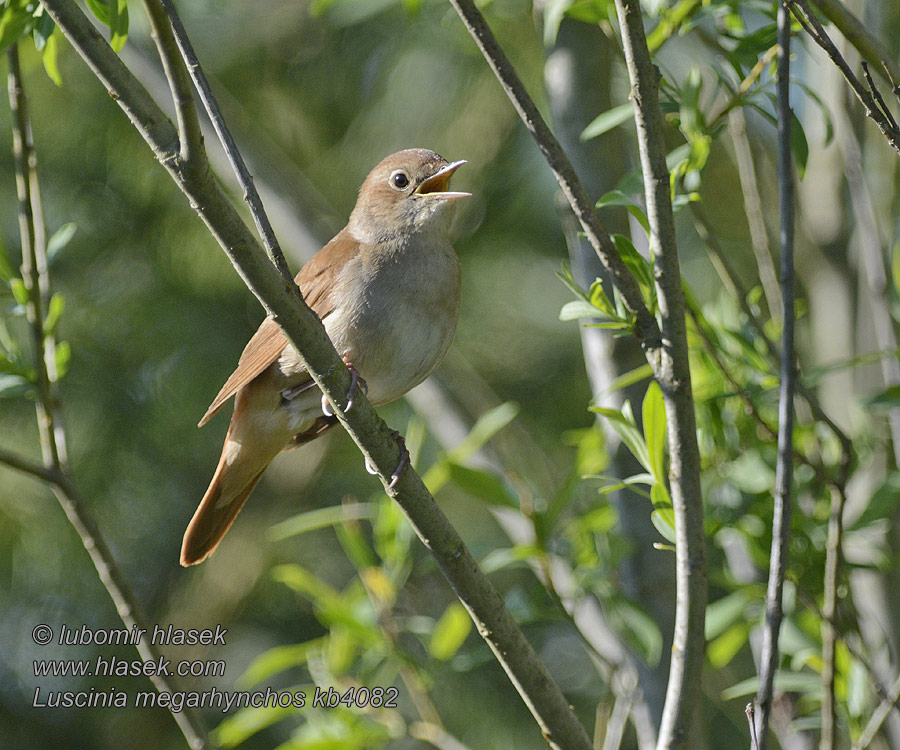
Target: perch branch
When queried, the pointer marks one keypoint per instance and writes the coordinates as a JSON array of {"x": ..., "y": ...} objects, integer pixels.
[{"x": 281, "y": 298}]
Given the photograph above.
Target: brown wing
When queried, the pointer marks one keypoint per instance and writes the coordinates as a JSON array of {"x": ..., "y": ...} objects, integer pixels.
[{"x": 315, "y": 281}]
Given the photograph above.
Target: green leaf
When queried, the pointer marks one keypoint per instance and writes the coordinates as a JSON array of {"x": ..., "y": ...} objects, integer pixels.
[
  {"x": 639, "y": 629},
  {"x": 618, "y": 198},
  {"x": 13, "y": 386},
  {"x": 882, "y": 504},
  {"x": 303, "y": 582},
  {"x": 806, "y": 683},
  {"x": 724, "y": 612},
  {"x": 623, "y": 423},
  {"x": 578, "y": 309},
  {"x": 49, "y": 57},
  {"x": 450, "y": 632},
  {"x": 63, "y": 355},
  {"x": 483, "y": 485},
  {"x": 54, "y": 312},
  {"x": 506, "y": 556},
  {"x": 15, "y": 20},
  {"x": 355, "y": 545},
  {"x": 277, "y": 660},
  {"x": 114, "y": 14},
  {"x": 6, "y": 270},
  {"x": 723, "y": 649},
  {"x": 630, "y": 378},
  {"x": 608, "y": 120},
  {"x": 59, "y": 239},
  {"x": 654, "y": 415},
  {"x": 799, "y": 145},
  {"x": 19, "y": 291},
  {"x": 320, "y": 519},
  {"x": 664, "y": 521},
  {"x": 245, "y": 723}
]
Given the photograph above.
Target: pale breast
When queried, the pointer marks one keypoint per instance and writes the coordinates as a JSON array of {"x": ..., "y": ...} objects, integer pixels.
[{"x": 399, "y": 317}]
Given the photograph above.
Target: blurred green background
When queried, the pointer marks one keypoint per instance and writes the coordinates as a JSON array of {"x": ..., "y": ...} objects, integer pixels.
[{"x": 317, "y": 93}]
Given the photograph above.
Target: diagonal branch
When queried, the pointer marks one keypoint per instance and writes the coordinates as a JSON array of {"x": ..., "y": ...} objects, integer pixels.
[
  {"x": 646, "y": 328},
  {"x": 811, "y": 25},
  {"x": 282, "y": 299}
]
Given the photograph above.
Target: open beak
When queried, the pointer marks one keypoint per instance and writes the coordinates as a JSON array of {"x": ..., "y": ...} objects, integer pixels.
[{"x": 436, "y": 185}]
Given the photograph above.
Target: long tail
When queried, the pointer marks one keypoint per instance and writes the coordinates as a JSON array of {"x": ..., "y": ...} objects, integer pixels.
[
  {"x": 215, "y": 514},
  {"x": 246, "y": 454}
]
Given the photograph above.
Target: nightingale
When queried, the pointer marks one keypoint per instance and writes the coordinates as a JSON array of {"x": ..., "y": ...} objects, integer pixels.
[{"x": 386, "y": 288}]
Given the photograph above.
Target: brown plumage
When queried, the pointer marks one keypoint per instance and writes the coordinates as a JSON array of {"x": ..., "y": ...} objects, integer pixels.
[{"x": 386, "y": 288}]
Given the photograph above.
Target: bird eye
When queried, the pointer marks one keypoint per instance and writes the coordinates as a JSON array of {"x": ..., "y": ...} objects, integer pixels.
[{"x": 399, "y": 180}]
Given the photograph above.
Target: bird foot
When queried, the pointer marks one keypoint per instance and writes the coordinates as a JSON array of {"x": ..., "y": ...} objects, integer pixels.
[
  {"x": 403, "y": 463},
  {"x": 356, "y": 381}
]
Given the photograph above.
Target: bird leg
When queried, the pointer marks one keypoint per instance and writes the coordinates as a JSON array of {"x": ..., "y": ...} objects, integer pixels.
[
  {"x": 289, "y": 394},
  {"x": 401, "y": 465},
  {"x": 355, "y": 381}
]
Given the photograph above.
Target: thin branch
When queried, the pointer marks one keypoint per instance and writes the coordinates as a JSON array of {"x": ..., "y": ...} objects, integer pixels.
[
  {"x": 781, "y": 519},
  {"x": 26, "y": 466},
  {"x": 853, "y": 30},
  {"x": 759, "y": 239},
  {"x": 829, "y": 611},
  {"x": 811, "y": 25},
  {"x": 282, "y": 299},
  {"x": 751, "y": 722},
  {"x": 646, "y": 328},
  {"x": 36, "y": 277},
  {"x": 878, "y": 717},
  {"x": 191, "y": 151},
  {"x": 674, "y": 377}
]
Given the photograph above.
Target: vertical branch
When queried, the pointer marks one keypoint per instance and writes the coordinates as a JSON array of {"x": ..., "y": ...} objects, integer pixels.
[
  {"x": 781, "y": 520},
  {"x": 674, "y": 377},
  {"x": 829, "y": 611},
  {"x": 55, "y": 471}
]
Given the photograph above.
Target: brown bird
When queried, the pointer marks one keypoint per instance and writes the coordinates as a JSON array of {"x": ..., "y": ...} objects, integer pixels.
[{"x": 386, "y": 288}]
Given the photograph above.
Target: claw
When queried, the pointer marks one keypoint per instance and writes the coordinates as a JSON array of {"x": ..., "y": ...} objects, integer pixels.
[
  {"x": 404, "y": 460},
  {"x": 355, "y": 382},
  {"x": 403, "y": 463}
]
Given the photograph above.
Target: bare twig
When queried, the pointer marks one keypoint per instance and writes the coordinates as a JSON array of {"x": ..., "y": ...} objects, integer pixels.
[
  {"x": 674, "y": 377},
  {"x": 829, "y": 611},
  {"x": 811, "y": 25},
  {"x": 853, "y": 30},
  {"x": 759, "y": 239},
  {"x": 751, "y": 722},
  {"x": 281, "y": 298},
  {"x": 54, "y": 471},
  {"x": 26, "y": 466},
  {"x": 251, "y": 196},
  {"x": 646, "y": 328},
  {"x": 878, "y": 717},
  {"x": 781, "y": 520}
]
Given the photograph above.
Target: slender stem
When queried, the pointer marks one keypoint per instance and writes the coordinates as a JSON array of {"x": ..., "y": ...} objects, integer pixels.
[
  {"x": 190, "y": 136},
  {"x": 26, "y": 466},
  {"x": 759, "y": 239},
  {"x": 878, "y": 717},
  {"x": 829, "y": 611},
  {"x": 811, "y": 25},
  {"x": 781, "y": 520},
  {"x": 646, "y": 328},
  {"x": 674, "y": 378},
  {"x": 55, "y": 472},
  {"x": 281, "y": 298},
  {"x": 853, "y": 30},
  {"x": 245, "y": 179}
]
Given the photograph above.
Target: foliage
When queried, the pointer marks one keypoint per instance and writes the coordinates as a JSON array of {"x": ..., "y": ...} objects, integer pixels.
[{"x": 340, "y": 596}]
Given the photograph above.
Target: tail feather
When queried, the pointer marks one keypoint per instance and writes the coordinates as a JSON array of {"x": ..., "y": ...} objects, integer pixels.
[{"x": 213, "y": 518}]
